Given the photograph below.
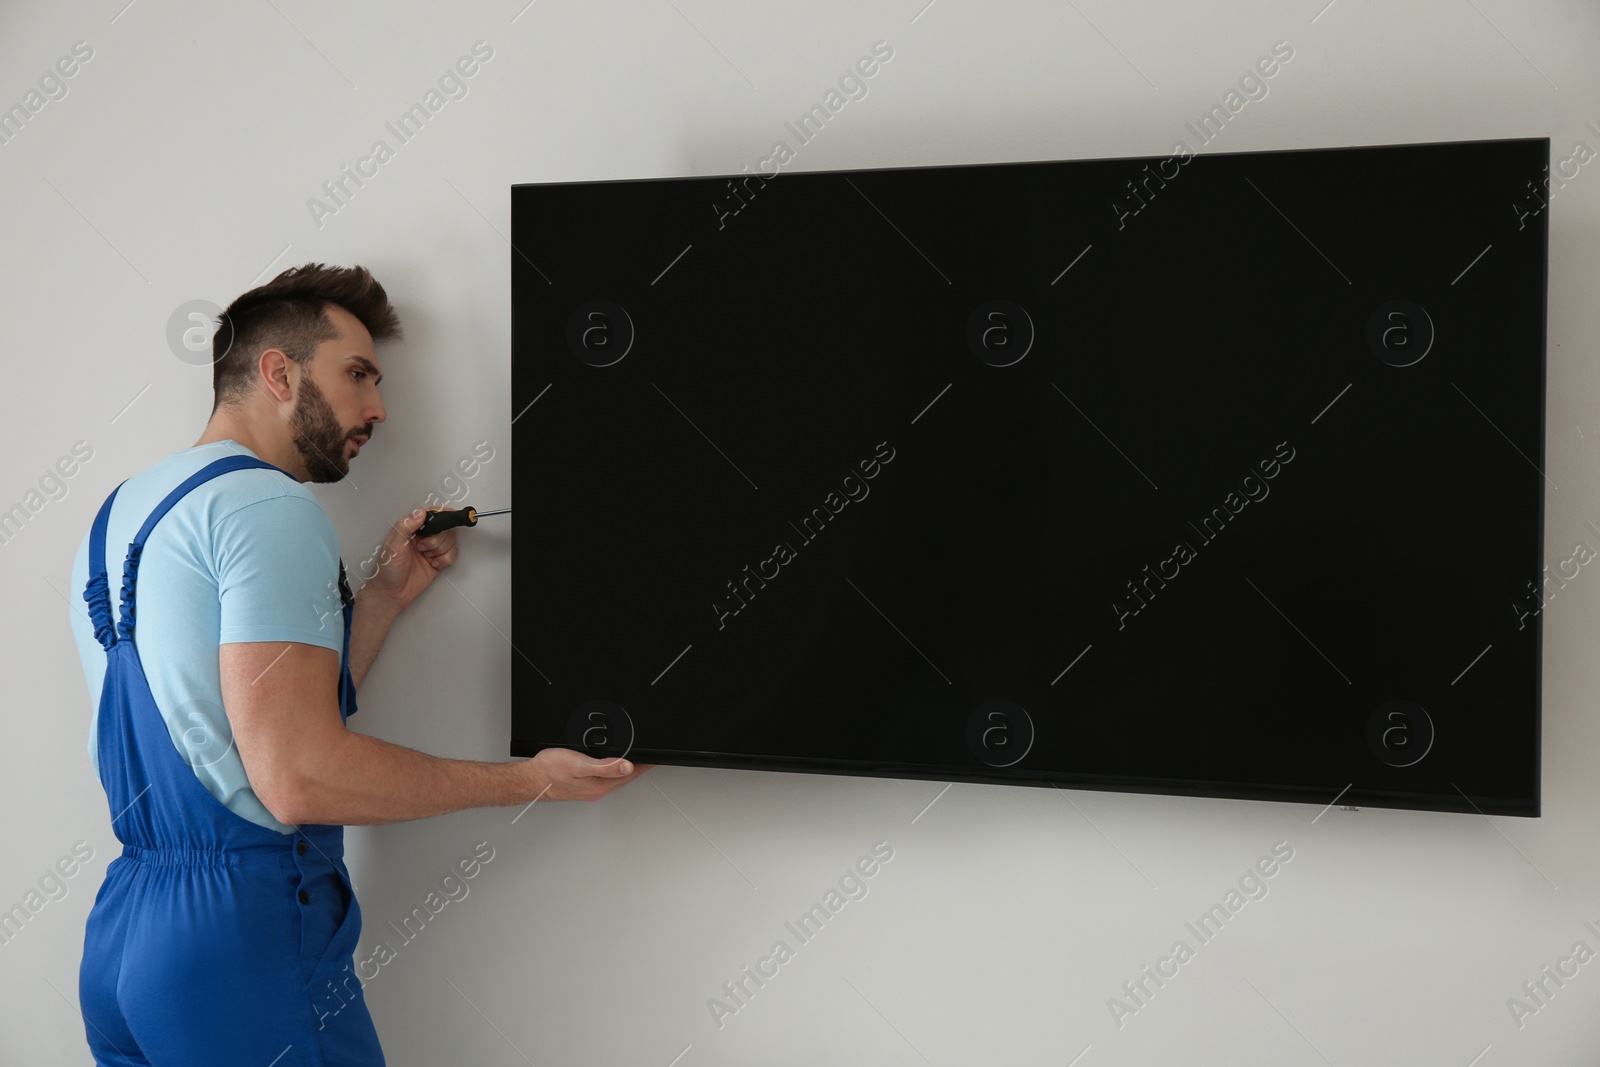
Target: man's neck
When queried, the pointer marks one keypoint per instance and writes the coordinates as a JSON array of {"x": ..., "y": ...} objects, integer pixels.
[{"x": 229, "y": 429}]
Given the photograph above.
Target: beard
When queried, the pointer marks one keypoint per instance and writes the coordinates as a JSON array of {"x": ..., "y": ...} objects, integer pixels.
[{"x": 318, "y": 436}]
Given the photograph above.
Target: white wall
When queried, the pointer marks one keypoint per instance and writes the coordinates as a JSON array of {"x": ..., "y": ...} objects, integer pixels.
[{"x": 178, "y": 167}]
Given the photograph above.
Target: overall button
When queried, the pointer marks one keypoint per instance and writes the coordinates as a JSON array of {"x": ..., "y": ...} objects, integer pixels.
[
  {"x": 300, "y": 847},
  {"x": 305, "y": 898}
]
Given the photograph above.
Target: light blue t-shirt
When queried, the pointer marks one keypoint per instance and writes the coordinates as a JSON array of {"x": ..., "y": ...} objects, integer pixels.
[{"x": 248, "y": 556}]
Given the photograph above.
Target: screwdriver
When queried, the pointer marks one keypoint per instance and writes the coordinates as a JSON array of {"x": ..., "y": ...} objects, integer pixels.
[{"x": 438, "y": 519}]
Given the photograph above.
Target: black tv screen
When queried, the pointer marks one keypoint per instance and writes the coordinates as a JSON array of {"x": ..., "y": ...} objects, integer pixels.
[{"x": 1212, "y": 475}]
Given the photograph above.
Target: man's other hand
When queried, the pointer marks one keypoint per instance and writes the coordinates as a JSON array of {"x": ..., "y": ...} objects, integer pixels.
[{"x": 574, "y": 776}]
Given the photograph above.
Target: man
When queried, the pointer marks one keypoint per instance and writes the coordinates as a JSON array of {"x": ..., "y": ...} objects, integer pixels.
[{"x": 220, "y": 737}]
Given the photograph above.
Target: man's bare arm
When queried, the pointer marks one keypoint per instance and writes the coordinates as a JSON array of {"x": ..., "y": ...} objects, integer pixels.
[
  {"x": 305, "y": 766},
  {"x": 370, "y": 619},
  {"x": 407, "y": 565}
]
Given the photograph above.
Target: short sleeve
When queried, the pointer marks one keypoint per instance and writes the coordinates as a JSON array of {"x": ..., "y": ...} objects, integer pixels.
[{"x": 278, "y": 573}]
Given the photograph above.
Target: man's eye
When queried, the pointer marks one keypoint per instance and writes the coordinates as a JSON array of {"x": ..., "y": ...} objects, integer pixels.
[{"x": 359, "y": 373}]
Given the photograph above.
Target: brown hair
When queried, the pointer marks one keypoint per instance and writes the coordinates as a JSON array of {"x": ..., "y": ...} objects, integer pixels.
[{"x": 290, "y": 312}]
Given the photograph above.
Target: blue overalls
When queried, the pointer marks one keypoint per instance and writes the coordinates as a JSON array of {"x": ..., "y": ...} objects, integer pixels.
[{"x": 213, "y": 940}]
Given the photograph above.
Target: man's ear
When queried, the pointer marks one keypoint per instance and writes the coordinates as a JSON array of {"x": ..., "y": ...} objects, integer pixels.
[{"x": 275, "y": 376}]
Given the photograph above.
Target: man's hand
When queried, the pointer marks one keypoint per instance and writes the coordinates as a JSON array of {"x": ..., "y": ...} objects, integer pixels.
[
  {"x": 574, "y": 776},
  {"x": 406, "y": 565}
]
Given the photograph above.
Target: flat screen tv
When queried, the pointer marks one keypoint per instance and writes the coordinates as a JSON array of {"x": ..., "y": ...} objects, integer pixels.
[{"x": 1213, "y": 475}]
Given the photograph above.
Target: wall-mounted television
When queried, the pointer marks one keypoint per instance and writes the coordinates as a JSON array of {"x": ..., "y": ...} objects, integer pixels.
[{"x": 1212, "y": 474}]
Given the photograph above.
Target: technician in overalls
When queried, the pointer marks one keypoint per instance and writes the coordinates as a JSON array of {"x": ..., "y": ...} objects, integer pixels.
[{"x": 222, "y": 663}]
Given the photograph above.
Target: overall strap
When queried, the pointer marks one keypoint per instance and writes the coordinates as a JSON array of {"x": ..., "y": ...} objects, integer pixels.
[
  {"x": 130, "y": 566},
  {"x": 96, "y": 591}
]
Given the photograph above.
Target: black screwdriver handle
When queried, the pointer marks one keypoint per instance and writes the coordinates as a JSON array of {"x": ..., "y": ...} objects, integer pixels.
[{"x": 438, "y": 519}]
